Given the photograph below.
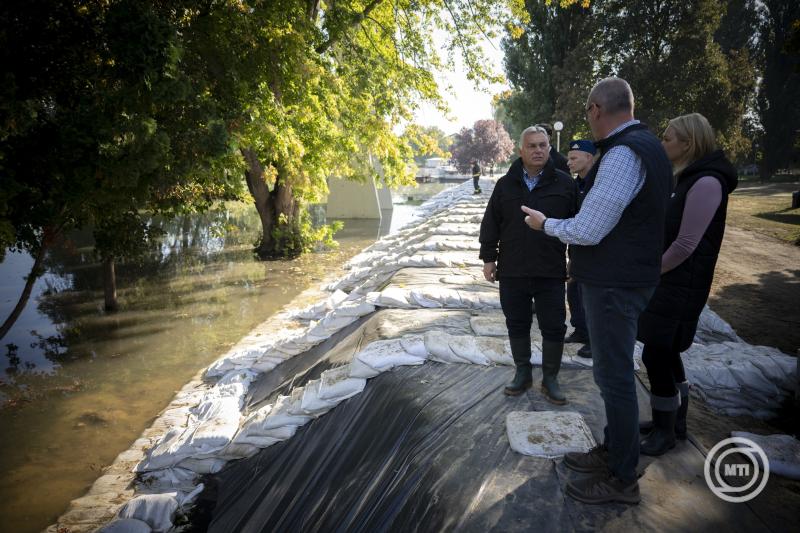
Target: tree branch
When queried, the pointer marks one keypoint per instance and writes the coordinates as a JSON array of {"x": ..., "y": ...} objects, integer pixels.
[{"x": 357, "y": 19}]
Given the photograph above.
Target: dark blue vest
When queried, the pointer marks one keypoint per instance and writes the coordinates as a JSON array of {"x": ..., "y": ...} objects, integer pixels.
[{"x": 630, "y": 255}]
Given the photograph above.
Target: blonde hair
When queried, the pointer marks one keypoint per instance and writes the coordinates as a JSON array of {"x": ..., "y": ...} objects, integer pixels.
[{"x": 694, "y": 129}]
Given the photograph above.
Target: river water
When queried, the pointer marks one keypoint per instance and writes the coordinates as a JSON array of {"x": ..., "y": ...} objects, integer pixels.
[{"x": 80, "y": 385}]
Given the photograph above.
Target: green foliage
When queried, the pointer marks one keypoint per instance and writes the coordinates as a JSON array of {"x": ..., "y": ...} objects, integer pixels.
[
  {"x": 778, "y": 105},
  {"x": 672, "y": 63},
  {"x": 426, "y": 142},
  {"x": 101, "y": 121}
]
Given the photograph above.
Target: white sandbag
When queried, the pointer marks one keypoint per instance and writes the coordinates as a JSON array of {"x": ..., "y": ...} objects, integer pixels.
[
  {"x": 466, "y": 347},
  {"x": 287, "y": 411},
  {"x": 493, "y": 325},
  {"x": 203, "y": 466},
  {"x": 385, "y": 355},
  {"x": 156, "y": 510},
  {"x": 390, "y": 297},
  {"x": 438, "y": 345},
  {"x": 320, "y": 308},
  {"x": 168, "y": 479},
  {"x": 783, "y": 452},
  {"x": 337, "y": 384},
  {"x": 220, "y": 424},
  {"x": 125, "y": 525},
  {"x": 496, "y": 350},
  {"x": 712, "y": 329},
  {"x": 548, "y": 434},
  {"x": 361, "y": 370},
  {"x": 414, "y": 345},
  {"x": 239, "y": 450},
  {"x": 312, "y": 403}
]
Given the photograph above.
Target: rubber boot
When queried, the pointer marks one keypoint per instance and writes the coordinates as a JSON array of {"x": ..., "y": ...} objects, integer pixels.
[
  {"x": 551, "y": 364},
  {"x": 662, "y": 437},
  {"x": 680, "y": 419},
  {"x": 523, "y": 377}
]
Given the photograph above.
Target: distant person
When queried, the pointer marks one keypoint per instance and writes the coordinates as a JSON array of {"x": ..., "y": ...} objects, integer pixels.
[
  {"x": 558, "y": 160},
  {"x": 692, "y": 237},
  {"x": 580, "y": 159},
  {"x": 476, "y": 176},
  {"x": 616, "y": 242},
  {"x": 530, "y": 267}
]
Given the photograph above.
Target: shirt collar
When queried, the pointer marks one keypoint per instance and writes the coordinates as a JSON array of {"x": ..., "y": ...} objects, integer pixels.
[{"x": 622, "y": 127}]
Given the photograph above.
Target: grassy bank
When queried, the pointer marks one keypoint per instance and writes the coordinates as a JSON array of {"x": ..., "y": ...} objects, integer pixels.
[{"x": 766, "y": 209}]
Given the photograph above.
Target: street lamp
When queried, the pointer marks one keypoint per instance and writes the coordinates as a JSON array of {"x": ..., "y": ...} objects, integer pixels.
[{"x": 558, "y": 126}]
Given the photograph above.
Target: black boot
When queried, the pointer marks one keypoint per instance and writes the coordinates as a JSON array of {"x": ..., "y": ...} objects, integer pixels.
[
  {"x": 523, "y": 377},
  {"x": 662, "y": 437},
  {"x": 680, "y": 419},
  {"x": 551, "y": 364}
]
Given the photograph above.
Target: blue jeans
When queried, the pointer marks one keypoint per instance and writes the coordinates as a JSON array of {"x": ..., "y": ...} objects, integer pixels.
[
  {"x": 612, "y": 316},
  {"x": 576, "y": 315}
]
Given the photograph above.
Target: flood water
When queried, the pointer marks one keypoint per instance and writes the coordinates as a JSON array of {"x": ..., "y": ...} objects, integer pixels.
[{"x": 80, "y": 385}]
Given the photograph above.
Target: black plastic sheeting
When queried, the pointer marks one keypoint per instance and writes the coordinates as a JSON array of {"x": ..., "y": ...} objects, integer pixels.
[
  {"x": 419, "y": 450},
  {"x": 425, "y": 449}
]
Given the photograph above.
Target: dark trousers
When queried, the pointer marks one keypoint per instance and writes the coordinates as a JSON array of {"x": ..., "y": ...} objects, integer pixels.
[
  {"x": 612, "y": 315},
  {"x": 516, "y": 296},
  {"x": 475, "y": 179},
  {"x": 577, "y": 317},
  {"x": 664, "y": 369}
]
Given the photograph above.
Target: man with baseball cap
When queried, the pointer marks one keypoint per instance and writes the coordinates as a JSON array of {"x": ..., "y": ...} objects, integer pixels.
[{"x": 580, "y": 159}]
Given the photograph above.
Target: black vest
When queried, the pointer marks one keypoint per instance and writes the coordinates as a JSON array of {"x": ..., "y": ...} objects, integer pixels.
[
  {"x": 630, "y": 255},
  {"x": 670, "y": 319}
]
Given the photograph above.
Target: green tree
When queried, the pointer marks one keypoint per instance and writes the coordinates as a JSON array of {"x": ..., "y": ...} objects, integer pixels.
[
  {"x": 317, "y": 89},
  {"x": 778, "y": 106},
  {"x": 100, "y": 125},
  {"x": 427, "y": 141},
  {"x": 536, "y": 60},
  {"x": 672, "y": 62}
]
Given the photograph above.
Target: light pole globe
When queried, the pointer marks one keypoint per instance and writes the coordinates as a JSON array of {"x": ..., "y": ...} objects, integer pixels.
[{"x": 558, "y": 126}]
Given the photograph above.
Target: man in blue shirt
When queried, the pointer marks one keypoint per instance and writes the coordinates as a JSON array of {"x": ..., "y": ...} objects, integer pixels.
[{"x": 616, "y": 242}]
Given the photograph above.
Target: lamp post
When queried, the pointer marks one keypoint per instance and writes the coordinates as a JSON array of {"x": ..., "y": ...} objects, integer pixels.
[{"x": 558, "y": 126}]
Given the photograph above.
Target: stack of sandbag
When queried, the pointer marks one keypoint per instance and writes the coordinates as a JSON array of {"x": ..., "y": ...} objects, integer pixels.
[{"x": 264, "y": 355}]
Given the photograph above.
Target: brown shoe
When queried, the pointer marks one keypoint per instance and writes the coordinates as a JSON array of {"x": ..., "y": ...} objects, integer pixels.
[
  {"x": 592, "y": 462},
  {"x": 604, "y": 489}
]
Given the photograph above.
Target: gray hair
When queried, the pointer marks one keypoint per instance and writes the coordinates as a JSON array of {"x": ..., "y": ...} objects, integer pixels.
[
  {"x": 613, "y": 95},
  {"x": 533, "y": 129}
]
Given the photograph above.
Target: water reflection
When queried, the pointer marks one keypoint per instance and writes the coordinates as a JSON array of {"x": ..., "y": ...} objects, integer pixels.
[{"x": 80, "y": 385}]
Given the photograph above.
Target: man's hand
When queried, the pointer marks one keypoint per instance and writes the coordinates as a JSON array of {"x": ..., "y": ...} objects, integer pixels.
[
  {"x": 535, "y": 219},
  {"x": 490, "y": 271}
]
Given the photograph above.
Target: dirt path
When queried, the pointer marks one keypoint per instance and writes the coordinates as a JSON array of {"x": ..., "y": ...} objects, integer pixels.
[{"x": 757, "y": 289}]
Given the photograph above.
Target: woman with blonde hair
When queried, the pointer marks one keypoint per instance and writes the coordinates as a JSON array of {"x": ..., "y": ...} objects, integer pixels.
[{"x": 693, "y": 231}]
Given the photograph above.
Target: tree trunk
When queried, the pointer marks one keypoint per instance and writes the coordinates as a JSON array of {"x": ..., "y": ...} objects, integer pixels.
[
  {"x": 278, "y": 238},
  {"x": 36, "y": 271},
  {"x": 110, "y": 285}
]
